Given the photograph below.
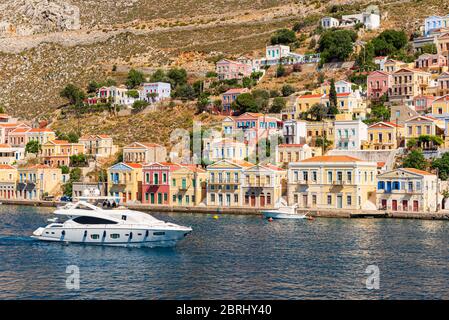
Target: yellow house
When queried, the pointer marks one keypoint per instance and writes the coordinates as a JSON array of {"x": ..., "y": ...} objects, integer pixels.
[
  {"x": 349, "y": 103},
  {"x": 441, "y": 106},
  {"x": 38, "y": 181},
  {"x": 316, "y": 130},
  {"x": 263, "y": 186},
  {"x": 125, "y": 181},
  {"x": 57, "y": 153},
  {"x": 332, "y": 182},
  {"x": 409, "y": 83},
  {"x": 423, "y": 125},
  {"x": 8, "y": 178},
  {"x": 42, "y": 135},
  {"x": 187, "y": 185},
  {"x": 384, "y": 135},
  {"x": 224, "y": 183},
  {"x": 391, "y": 65}
]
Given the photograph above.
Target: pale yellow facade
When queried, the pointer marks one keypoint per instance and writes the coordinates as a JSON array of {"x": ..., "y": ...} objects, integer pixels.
[
  {"x": 384, "y": 136},
  {"x": 33, "y": 183},
  {"x": 8, "y": 179},
  {"x": 187, "y": 186},
  {"x": 125, "y": 181},
  {"x": 332, "y": 182}
]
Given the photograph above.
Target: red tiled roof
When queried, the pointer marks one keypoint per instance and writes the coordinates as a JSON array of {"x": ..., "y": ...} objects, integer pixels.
[
  {"x": 236, "y": 90},
  {"x": 20, "y": 130},
  {"x": 413, "y": 170},
  {"x": 40, "y": 130},
  {"x": 6, "y": 167},
  {"x": 443, "y": 98},
  {"x": 133, "y": 165},
  {"x": 310, "y": 96},
  {"x": 4, "y": 145}
]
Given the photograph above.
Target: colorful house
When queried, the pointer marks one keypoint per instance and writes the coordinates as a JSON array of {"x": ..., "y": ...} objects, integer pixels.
[
  {"x": 263, "y": 186},
  {"x": 435, "y": 22},
  {"x": 349, "y": 103},
  {"x": 42, "y": 135},
  {"x": 350, "y": 134},
  {"x": 56, "y": 153},
  {"x": 8, "y": 180},
  {"x": 229, "y": 97},
  {"x": 443, "y": 84},
  {"x": 378, "y": 83},
  {"x": 332, "y": 182},
  {"x": 156, "y": 183},
  {"x": 37, "y": 181},
  {"x": 187, "y": 185},
  {"x": 125, "y": 181},
  {"x": 318, "y": 130},
  {"x": 391, "y": 66},
  {"x": 98, "y": 145},
  {"x": 384, "y": 135},
  {"x": 155, "y": 91},
  {"x": 433, "y": 63},
  {"x": 228, "y": 148},
  {"x": 144, "y": 152},
  {"x": 409, "y": 83},
  {"x": 287, "y": 153},
  {"x": 224, "y": 183},
  {"x": 423, "y": 125},
  {"x": 423, "y": 103},
  {"x": 227, "y": 69},
  {"x": 407, "y": 189},
  {"x": 255, "y": 126},
  {"x": 18, "y": 137},
  {"x": 11, "y": 155}
]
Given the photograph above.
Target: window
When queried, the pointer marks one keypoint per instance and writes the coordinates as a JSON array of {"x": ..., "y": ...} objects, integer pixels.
[
  {"x": 349, "y": 200},
  {"x": 95, "y": 236},
  {"x": 329, "y": 199},
  {"x": 114, "y": 236},
  {"x": 92, "y": 220},
  {"x": 329, "y": 177}
]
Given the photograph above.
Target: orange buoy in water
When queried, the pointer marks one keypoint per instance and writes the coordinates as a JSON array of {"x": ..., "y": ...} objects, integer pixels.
[
  {"x": 310, "y": 218},
  {"x": 270, "y": 219}
]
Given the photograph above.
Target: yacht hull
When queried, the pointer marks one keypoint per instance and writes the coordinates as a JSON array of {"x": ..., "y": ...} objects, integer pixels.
[{"x": 113, "y": 237}]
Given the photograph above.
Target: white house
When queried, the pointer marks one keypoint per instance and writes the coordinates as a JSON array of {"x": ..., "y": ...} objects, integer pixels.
[
  {"x": 294, "y": 132},
  {"x": 435, "y": 22},
  {"x": 349, "y": 134},
  {"x": 117, "y": 96},
  {"x": 10, "y": 155},
  {"x": 371, "y": 21},
  {"x": 329, "y": 22},
  {"x": 154, "y": 92},
  {"x": 407, "y": 189}
]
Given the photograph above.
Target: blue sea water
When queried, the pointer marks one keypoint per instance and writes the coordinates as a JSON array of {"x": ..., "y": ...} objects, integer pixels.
[{"x": 234, "y": 257}]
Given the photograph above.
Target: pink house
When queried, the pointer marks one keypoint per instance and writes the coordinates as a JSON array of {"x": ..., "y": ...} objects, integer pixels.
[
  {"x": 257, "y": 125},
  {"x": 423, "y": 103},
  {"x": 378, "y": 83},
  {"x": 433, "y": 63},
  {"x": 229, "y": 97},
  {"x": 156, "y": 183},
  {"x": 18, "y": 137},
  {"x": 228, "y": 69}
]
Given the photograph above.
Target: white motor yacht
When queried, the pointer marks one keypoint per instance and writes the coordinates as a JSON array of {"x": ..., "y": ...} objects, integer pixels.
[
  {"x": 108, "y": 224},
  {"x": 283, "y": 211}
]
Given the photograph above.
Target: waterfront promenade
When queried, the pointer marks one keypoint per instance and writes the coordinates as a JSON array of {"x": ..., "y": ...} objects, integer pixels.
[{"x": 321, "y": 213}]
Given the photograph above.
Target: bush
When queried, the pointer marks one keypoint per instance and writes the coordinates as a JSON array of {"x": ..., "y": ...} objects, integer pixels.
[
  {"x": 336, "y": 44},
  {"x": 278, "y": 105},
  {"x": 134, "y": 79},
  {"x": 287, "y": 90},
  {"x": 283, "y": 36},
  {"x": 280, "y": 71}
]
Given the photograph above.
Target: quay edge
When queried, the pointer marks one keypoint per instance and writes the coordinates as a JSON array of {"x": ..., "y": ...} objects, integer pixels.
[{"x": 321, "y": 213}]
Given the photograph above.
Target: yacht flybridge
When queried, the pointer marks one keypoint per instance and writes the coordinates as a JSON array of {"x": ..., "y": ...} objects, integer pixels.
[{"x": 109, "y": 224}]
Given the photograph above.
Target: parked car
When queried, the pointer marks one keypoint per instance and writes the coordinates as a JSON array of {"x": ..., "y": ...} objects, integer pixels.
[{"x": 66, "y": 199}]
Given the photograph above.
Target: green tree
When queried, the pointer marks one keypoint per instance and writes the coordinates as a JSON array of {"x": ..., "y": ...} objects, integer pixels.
[
  {"x": 318, "y": 111},
  {"x": 64, "y": 169},
  {"x": 2, "y": 109},
  {"x": 185, "y": 91},
  {"x": 287, "y": 90},
  {"x": 211, "y": 74},
  {"x": 134, "y": 79},
  {"x": 33, "y": 146},
  {"x": 442, "y": 164},
  {"x": 389, "y": 42},
  {"x": 177, "y": 76},
  {"x": 333, "y": 102},
  {"x": 133, "y": 94},
  {"x": 158, "y": 76},
  {"x": 336, "y": 44},
  {"x": 415, "y": 159},
  {"x": 203, "y": 102},
  {"x": 323, "y": 142},
  {"x": 78, "y": 160},
  {"x": 261, "y": 97},
  {"x": 139, "y": 105},
  {"x": 72, "y": 93},
  {"x": 280, "y": 71},
  {"x": 430, "y": 48},
  {"x": 245, "y": 102},
  {"x": 278, "y": 105},
  {"x": 283, "y": 36}
]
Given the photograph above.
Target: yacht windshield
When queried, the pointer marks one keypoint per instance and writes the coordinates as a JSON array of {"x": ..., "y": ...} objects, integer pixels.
[{"x": 93, "y": 220}]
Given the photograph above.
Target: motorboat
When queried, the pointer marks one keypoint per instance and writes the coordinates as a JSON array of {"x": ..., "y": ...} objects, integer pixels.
[
  {"x": 283, "y": 211},
  {"x": 103, "y": 221}
]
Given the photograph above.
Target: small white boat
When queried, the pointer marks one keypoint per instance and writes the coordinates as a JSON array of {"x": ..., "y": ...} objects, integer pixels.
[
  {"x": 283, "y": 211},
  {"x": 109, "y": 225}
]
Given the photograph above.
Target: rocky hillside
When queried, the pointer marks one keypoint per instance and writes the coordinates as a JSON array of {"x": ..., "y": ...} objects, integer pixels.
[{"x": 45, "y": 44}]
